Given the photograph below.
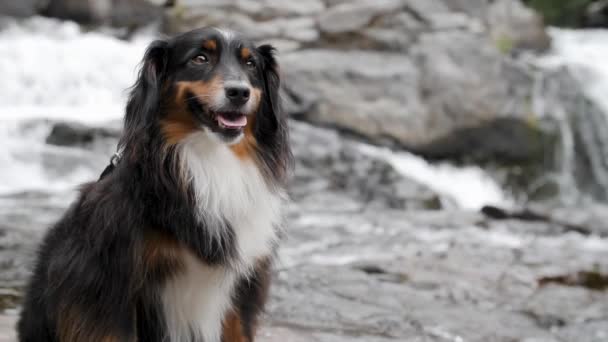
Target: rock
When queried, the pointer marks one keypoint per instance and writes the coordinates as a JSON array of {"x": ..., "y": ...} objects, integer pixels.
[
  {"x": 436, "y": 102},
  {"x": 597, "y": 14},
  {"x": 259, "y": 19},
  {"x": 353, "y": 16},
  {"x": 264, "y": 9},
  {"x": 329, "y": 162},
  {"x": 502, "y": 140},
  {"x": 474, "y": 8},
  {"x": 121, "y": 13},
  {"x": 463, "y": 90},
  {"x": 21, "y": 8},
  {"x": 73, "y": 134},
  {"x": 516, "y": 26},
  {"x": 87, "y": 11},
  {"x": 350, "y": 89},
  {"x": 134, "y": 13},
  {"x": 424, "y": 9}
]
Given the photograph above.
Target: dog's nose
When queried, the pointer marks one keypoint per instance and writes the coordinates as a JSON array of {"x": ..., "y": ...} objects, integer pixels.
[{"x": 237, "y": 94}]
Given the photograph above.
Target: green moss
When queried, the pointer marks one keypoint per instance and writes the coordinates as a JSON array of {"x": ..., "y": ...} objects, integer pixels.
[
  {"x": 567, "y": 13},
  {"x": 505, "y": 44}
]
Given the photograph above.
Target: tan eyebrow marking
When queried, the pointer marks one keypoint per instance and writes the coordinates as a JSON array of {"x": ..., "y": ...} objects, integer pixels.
[
  {"x": 245, "y": 53},
  {"x": 210, "y": 44}
]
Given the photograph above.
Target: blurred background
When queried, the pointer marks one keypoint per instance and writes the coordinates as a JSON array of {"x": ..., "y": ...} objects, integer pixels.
[{"x": 451, "y": 175}]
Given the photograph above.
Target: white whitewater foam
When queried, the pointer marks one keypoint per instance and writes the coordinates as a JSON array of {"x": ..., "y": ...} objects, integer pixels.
[
  {"x": 468, "y": 187},
  {"x": 52, "y": 71},
  {"x": 586, "y": 52}
]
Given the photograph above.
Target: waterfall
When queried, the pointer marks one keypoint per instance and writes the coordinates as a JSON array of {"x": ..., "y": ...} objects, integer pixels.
[
  {"x": 573, "y": 89},
  {"x": 54, "y": 72}
]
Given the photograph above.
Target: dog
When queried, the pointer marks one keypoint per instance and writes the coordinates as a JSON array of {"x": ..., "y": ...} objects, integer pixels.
[{"x": 176, "y": 242}]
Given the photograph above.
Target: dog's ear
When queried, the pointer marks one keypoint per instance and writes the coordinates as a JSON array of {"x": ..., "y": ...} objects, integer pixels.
[
  {"x": 271, "y": 125},
  {"x": 271, "y": 102},
  {"x": 144, "y": 99}
]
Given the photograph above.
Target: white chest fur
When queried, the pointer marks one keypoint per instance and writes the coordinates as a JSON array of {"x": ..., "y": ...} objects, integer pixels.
[{"x": 229, "y": 188}]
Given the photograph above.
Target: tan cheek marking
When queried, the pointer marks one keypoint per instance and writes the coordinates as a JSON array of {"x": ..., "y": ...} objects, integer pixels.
[
  {"x": 256, "y": 97},
  {"x": 180, "y": 122},
  {"x": 210, "y": 44},
  {"x": 245, "y": 53}
]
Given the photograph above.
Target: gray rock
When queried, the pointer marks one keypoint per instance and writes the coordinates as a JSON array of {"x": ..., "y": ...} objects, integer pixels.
[
  {"x": 260, "y": 8},
  {"x": 516, "y": 26},
  {"x": 351, "y": 89},
  {"x": 353, "y": 16},
  {"x": 88, "y": 11},
  {"x": 426, "y": 8},
  {"x": 463, "y": 90},
  {"x": 22, "y": 8},
  {"x": 327, "y": 161},
  {"x": 430, "y": 104},
  {"x": 135, "y": 13},
  {"x": 474, "y": 8},
  {"x": 122, "y": 13},
  {"x": 72, "y": 134}
]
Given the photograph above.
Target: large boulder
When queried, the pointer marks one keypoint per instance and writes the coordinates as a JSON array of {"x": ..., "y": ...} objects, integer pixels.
[
  {"x": 440, "y": 99},
  {"x": 372, "y": 93}
]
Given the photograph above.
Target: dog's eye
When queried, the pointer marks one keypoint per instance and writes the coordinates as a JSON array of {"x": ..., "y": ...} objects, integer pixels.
[
  {"x": 200, "y": 59},
  {"x": 250, "y": 63}
]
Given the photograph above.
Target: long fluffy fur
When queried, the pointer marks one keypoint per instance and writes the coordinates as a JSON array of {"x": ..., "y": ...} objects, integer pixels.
[{"x": 107, "y": 270}]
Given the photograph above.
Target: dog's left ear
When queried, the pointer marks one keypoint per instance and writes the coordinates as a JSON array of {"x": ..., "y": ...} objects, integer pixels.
[
  {"x": 271, "y": 125},
  {"x": 144, "y": 99},
  {"x": 272, "y": 115}
]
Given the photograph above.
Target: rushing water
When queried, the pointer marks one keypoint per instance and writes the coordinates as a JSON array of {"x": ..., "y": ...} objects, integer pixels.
[
  {"x": 581, "y": 107},
  {"x": 53, "y": 71},
  {"x": 585, "y": 52}
]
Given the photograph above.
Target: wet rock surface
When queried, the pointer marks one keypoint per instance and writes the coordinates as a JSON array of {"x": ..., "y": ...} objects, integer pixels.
[{"x": 362, "y": 262}]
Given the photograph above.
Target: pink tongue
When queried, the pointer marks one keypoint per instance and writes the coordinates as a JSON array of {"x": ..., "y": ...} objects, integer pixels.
[{"x": 239, "y": 122}]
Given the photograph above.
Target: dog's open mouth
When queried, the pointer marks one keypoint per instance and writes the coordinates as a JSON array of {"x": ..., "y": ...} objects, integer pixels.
[
  {"x": 234, "y": 121},
  {"x": 230, "y": 124}
]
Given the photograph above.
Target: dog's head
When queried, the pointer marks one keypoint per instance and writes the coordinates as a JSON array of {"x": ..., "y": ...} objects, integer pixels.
[{"x": 207, "y": 80}]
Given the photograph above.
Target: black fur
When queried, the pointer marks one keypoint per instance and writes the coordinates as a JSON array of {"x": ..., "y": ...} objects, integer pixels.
[{"x": 89, "y": 282}]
